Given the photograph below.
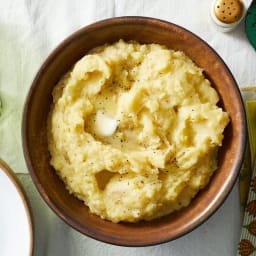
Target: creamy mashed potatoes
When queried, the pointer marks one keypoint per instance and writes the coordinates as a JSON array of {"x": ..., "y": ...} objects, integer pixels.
[{"x": 134, "y": 131}]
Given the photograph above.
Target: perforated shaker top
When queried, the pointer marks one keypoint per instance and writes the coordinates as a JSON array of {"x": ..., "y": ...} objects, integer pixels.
[{"x": 228, "y": 11}]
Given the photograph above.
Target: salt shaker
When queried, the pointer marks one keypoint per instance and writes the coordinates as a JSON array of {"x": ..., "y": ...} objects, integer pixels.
[{"x": 227, "y": 14}]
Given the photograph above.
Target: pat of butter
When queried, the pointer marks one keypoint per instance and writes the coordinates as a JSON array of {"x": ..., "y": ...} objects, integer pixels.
[{"x": 104, "y": 124}]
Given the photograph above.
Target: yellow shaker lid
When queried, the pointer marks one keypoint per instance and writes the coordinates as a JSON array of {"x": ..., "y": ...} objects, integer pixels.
[{"x": 228, "y": 11}]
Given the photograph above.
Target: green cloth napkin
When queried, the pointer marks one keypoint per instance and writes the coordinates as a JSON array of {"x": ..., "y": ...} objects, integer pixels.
[{"x": 10, "y": 132}]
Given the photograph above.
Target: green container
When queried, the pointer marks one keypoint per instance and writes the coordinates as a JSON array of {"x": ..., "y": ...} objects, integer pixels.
[{"x": 250, "y": 24}]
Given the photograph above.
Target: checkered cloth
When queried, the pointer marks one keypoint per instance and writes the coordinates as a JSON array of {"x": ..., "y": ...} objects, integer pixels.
[{"x": 247, "y": 243}]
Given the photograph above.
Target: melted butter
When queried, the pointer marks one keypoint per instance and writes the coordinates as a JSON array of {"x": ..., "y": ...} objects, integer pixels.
[{"x": 104, "y": 125}]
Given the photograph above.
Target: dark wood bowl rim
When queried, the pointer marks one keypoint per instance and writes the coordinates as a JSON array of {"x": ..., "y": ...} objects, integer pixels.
[{"x": 72, "y": 222}]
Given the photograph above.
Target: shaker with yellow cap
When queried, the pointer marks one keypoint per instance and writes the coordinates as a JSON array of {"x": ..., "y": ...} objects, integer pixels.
[{"x": 227, "y": 14}]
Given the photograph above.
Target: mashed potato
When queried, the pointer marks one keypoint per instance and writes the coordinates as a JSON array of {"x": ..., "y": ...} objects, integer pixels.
[{"x": 134, "y": 131}]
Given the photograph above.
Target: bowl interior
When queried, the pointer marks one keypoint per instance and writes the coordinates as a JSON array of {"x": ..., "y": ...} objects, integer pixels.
[{"x": 39, "y": 100}]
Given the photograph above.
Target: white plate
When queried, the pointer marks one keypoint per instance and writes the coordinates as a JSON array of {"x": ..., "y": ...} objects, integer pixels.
[{"x": 15, "y": 221}]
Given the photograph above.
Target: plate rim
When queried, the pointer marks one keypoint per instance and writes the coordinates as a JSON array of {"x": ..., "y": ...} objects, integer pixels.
[{"x": 21, "y": 193}]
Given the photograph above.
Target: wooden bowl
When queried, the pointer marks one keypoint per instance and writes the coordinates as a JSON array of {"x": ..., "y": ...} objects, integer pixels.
[{"x": 39, "y": 100}]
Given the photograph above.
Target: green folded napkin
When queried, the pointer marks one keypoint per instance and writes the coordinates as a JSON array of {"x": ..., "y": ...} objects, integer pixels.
[
  {"x": 10, "y": 132},
  {"x": 0, "y": 107}
]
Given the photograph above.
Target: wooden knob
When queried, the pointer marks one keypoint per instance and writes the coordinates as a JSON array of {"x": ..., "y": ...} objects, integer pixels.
[{"x": 228, "y": 11}]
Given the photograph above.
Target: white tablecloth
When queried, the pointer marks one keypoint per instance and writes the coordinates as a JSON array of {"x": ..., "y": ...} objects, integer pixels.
[{"x": 29, "y": 30}]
